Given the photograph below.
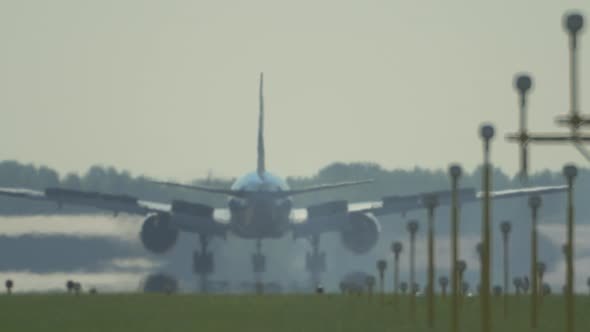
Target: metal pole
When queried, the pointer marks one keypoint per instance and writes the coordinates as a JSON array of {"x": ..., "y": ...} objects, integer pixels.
[
  {"x": 431, "y": 201},
  {"x": 534, "y": 203},
  {"x": 381, "y": 266},
  {"x": 461, "y": 266},
  {"x": 412, "y": 276},
  {"x": 396, "y": 247},
  {"x": 396, "y": 274},
  {"x": 523, "y": 84},
  {"x": 487, "y": 133},
  {"x": 574, "y": 23},
  {"x": 455, "y": 172},
  {"x": 412, "y": 228},
  {"x": 541, "y": 271},
  {"x": 570, "y": 172},
  {"x": 505, "y": 227}
]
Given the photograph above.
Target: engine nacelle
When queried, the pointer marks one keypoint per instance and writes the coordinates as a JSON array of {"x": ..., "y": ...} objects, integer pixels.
[
  {"x": 157, "y": 234},
  {"x": 361, "y": 232}
]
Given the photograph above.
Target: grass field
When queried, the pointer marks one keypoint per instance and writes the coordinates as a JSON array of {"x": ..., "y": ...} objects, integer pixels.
[{"x": 262, "y": 313}]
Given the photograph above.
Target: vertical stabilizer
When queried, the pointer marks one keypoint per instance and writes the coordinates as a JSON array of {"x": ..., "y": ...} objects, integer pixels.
[{"x": 260, "y": 169}]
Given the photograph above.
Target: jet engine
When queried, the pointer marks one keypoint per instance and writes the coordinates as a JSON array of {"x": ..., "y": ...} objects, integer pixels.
[
  {"x": 361, "y": 232},
  {"x": 157, "y": 234}
]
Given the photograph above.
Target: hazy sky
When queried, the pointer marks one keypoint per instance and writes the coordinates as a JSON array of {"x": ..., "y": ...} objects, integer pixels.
[{"x": 169, "y": 88}]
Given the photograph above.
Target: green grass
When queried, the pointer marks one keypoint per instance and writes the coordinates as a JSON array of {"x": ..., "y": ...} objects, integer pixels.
[{"x": 262, "y": 313}]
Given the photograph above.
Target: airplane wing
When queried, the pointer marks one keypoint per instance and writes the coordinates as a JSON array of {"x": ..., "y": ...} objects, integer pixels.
[
  {"x": 187, "y": 216},
  {"x": 404, "y": 204},
  {"x": 331, "y": 216},
  {"x": 108, "y": 202}
]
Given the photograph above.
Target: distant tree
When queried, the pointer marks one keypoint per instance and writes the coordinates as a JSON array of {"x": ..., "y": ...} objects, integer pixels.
[
  {"x": 416, "y": 288},
  {"x": 517, "y": 281},
  {"x": 9, "y": 284},
  {"x": 403, "y": 286},
  {"x": 444, "y": 283},
  {"x": 77, "y": 288},
  {"x": 319, "y": 289},
  {"x": 462, "y": 266},
  {"x": 465, "y": 287},
  {"x": 162, "y": 283},
  {"x": 72, "y": 181},
  {"x": 70, "y": 286},
  {"x": 96, "y": 179},
  {"x": 93, "y": 291},
  {"x": 47, "y": 177},
  {"x": 541, "y": 268},
  {"x": 588, "y": 283},
  {"x": 525, "y": 284},
  {"x": 546, "y": 289},
  {"x": 497, "y": 290},
  {"x": 343, "y": 287}
]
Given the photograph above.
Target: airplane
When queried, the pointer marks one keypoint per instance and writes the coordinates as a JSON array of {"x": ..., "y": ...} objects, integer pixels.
[{"x": 260, "y": 207}]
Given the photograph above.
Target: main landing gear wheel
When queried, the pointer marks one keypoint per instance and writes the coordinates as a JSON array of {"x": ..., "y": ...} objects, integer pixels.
[
  {"x": 259, "y": 267},
  {"x": 203, "y": 264}
]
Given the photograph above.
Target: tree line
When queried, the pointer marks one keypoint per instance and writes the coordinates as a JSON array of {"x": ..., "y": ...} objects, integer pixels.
[{"x": 386, "y": 182}]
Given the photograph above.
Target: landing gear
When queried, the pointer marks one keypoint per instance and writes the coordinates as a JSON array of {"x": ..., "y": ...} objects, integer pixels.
[
  {"x": 258, "y": 266},
  {"x": 203, "y": 264},
  {"x": 315, "y": 261}
]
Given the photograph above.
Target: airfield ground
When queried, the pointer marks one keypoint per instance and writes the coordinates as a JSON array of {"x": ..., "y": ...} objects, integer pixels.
[{"x": 260, "y": 313}]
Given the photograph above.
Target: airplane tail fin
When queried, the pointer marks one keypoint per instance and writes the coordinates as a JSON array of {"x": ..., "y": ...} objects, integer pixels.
[{"x": 261, "y": 168}]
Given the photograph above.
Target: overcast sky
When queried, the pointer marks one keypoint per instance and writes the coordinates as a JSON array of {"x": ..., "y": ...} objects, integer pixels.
[{"x": 169, "y": 88}]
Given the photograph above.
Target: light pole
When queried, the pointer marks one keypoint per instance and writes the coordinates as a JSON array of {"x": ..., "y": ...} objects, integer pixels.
[
  {"x": 570, "y": 172},
  {"x": 505, "y": 228},
  {"x": 541, "y": 267},
  {"x": 573, "y": 23},
  {"x": 487, "y": 133},
  {"x": 461, "y": 267},
  {"x": 381, "y": 266},
  {"x": 412, "y": 229},
  {"x": 478, "y": 250},
  {"x": 370, "y": 282},
  {"x": 396, "y": 248},
  {"x": 455, "y": 173},
  {"x": 431, "y": 202},
  {"x": 523, "y": 84},
  {"x": 535, "y": 204}
]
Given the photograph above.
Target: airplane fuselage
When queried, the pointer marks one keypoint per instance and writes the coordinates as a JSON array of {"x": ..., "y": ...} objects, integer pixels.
[{"x": 258, "y": 213}]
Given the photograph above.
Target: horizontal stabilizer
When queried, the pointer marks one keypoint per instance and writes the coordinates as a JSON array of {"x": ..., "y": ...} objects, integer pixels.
[
  {"x": 277, "y": 194},
  {"x": 211, "y": 190}
]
